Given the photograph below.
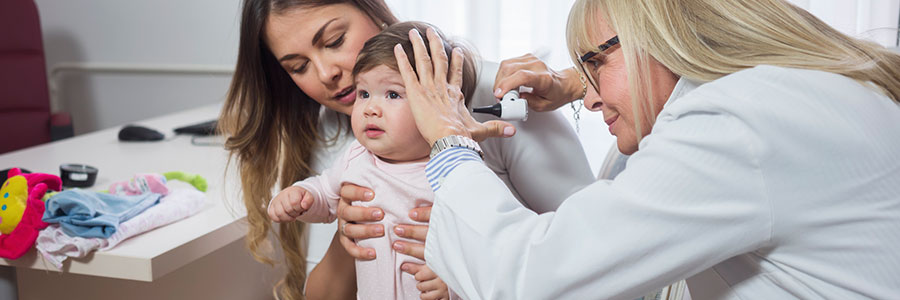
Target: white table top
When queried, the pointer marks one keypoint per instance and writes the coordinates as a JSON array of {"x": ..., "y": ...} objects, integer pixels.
[{"x": 153, "y": 254}]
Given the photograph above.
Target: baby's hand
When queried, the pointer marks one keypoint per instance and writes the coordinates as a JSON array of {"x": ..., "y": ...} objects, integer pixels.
[{"x": 289, "y": 204}]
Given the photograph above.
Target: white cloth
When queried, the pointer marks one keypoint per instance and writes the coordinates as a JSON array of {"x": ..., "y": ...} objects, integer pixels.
[
  {"x": 529, "y": 163},
  {"x": 56, "y": 246},
  {"x": 775, "y": 183}
]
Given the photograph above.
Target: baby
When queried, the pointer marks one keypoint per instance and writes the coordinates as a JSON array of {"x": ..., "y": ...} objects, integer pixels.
[{"x": 388, "y": 156}]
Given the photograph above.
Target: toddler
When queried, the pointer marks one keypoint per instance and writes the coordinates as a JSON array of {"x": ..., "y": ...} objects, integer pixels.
[{"x": 388, "y": 156}]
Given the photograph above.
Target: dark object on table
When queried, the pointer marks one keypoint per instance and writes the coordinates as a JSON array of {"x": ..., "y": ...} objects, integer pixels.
[
  {"x": 204, "y": 128},
  {"x": 4, "y": 174},
  {"x": 77, "y": 175},
  {"x": 139, "y": 133}
]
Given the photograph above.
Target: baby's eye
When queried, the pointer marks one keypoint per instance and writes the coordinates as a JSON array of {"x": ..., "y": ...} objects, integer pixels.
[
  {"x": 363, "y": 94},
  {"x": 393, "y": 95}
]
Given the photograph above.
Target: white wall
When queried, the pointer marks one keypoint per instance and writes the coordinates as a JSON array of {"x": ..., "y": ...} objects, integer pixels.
[{"x": 142, "y": 32}]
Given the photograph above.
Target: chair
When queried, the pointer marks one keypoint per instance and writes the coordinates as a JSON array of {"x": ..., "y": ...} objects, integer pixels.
[{"x": 25, "y": 118}]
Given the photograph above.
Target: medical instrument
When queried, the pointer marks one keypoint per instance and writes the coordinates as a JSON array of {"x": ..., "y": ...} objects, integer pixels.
[{"x": 510, "y": 107}]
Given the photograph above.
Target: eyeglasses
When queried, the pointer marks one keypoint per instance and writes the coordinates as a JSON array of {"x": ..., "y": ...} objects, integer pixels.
[{"x": 587, "y": 56}]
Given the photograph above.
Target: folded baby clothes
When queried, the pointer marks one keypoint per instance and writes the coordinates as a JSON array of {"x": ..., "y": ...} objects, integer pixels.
[
  {"x": 140, "y": 184},
  {"x": 91, "y": 214},
  {"x": 56, "y": 246}
]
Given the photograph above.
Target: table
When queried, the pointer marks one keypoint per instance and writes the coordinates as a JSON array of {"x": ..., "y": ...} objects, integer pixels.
[{"x": 204, "y": 245}]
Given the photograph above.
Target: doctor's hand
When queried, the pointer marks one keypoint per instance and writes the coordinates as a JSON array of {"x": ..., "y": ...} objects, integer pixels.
[
  {"x": 551, "y": 89},
  {"x": 435, "y": 97},
  {"x": 289, "y": 204},
  {"x": 349, "y": 214}
]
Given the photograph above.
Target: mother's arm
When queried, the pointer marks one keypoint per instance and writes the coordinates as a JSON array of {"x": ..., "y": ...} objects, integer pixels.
[{"x": 544, "y": 162}]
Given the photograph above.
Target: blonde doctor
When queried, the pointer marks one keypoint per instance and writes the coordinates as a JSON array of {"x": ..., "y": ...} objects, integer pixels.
[{"x": 766, "y": 162}]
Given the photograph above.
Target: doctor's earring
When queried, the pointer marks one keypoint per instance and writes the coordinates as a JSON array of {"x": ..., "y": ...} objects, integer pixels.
[{"x": 578, "y": 103}]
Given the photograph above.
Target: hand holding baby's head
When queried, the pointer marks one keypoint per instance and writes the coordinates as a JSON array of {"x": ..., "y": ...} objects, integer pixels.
[{"x": 381, "y": 118}]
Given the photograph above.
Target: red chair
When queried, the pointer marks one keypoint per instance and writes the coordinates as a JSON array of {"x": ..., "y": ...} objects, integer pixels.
[{"x": 25, "y": 118}]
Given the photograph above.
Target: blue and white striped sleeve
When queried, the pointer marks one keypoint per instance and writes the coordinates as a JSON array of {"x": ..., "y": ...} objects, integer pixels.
[{"x": 442, "y": 164}]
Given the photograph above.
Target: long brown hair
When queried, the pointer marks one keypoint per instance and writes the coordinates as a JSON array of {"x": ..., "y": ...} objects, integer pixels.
[{"x": 272, "y": 130}]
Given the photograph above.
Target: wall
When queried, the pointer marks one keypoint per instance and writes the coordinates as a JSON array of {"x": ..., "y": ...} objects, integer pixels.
[{"x": 192, "y": 32}]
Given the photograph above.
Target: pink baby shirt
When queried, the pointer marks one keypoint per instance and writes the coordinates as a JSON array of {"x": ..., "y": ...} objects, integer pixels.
[{"x": 398, "y": 188}]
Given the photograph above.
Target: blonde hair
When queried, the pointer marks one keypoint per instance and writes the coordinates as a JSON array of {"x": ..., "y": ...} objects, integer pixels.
[{"x": 705, "y": 40}]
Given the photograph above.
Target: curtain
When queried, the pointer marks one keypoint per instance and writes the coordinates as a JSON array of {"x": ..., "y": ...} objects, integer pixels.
[
  {"x": 499, "y": 29},
  {"x": 504, "y": 29},
  {"x": 875, "y": 20}
]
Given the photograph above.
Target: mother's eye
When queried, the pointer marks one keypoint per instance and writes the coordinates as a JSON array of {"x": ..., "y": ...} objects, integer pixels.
[
  {"x": 300, "y": 69},
  {"x": 337, "y": 42}
]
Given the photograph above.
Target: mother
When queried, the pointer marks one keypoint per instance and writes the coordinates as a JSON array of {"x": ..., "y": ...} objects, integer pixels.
[
  {"x": 765, "y": 163},
  {"x": 286, "y": 118}
]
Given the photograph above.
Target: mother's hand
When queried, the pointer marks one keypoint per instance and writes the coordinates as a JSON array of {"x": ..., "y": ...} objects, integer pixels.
[
  {"x": 437, "y": 102},
  {"x": 349, "y": 214},
  {"x": 551, "y": 89},
  {"x": 415, "y": 232}
]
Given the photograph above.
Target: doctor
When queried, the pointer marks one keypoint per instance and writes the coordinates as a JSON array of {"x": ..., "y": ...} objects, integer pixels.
[{"x": 766, "y": 162}]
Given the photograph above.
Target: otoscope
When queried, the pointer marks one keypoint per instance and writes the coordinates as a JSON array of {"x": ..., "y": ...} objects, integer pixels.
[{"x": 511, "y": 107}]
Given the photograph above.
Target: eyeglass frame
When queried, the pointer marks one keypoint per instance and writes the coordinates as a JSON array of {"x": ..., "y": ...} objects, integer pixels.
[{"x": 590, "y": 54}]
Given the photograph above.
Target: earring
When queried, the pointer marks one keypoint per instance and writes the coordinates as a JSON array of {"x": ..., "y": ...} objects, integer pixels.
[
  {"x": 576, "y": 109},
  {"x": 383, "y": 25}
]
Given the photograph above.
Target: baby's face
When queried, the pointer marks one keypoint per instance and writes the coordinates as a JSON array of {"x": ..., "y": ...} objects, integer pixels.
[{"x": 381, "y": 119}]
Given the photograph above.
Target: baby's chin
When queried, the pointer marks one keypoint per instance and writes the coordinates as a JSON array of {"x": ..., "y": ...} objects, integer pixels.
[
  {"x": 400, "y": 157},
  {"x": 404, "y": 158}
]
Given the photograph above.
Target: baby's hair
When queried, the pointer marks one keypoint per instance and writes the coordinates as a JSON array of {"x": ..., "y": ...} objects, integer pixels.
[{"x": 379, "y": 51}]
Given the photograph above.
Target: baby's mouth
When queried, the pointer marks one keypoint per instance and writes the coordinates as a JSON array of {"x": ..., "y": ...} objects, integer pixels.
[{"x": 373, "y": 131}]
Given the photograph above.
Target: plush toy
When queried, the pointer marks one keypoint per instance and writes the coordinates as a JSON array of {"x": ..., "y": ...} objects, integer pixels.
[{"x": 21, "y": 209}]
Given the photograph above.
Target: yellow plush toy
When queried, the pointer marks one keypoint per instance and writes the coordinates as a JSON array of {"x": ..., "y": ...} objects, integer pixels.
[{"x": 21, "y": 210}]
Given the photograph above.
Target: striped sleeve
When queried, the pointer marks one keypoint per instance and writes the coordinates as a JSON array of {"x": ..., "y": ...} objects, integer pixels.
[{"x": 442, "y": 164}]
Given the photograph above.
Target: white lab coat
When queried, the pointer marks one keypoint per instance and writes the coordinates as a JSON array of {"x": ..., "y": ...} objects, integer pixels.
[{"x": 770, "y": 183}]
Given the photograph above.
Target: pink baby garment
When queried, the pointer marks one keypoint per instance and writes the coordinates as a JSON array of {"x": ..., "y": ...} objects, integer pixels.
[{"x": 398, "y": 188}]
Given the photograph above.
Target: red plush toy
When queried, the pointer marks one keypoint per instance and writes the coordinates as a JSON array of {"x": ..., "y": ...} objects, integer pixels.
[{"x": 21, "y": 210}]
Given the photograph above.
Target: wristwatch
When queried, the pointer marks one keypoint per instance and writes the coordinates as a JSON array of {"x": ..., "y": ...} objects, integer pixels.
[{"x": 455, "y": 141}]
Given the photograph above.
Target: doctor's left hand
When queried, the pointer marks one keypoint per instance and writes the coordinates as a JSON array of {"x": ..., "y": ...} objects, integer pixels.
[{"x": 436, "y": 100}]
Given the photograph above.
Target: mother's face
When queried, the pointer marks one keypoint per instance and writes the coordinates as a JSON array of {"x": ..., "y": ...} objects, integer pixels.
[
  {"x": 613, "y": 97},
  {"x": 318, "y": 46}
]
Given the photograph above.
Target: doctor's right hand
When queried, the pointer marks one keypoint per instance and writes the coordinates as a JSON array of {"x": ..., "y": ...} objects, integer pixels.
[
  {"x": 551, "y": 89},
  {"x": 289, "y": 204},
  {"x": 349, "y": 215}
]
